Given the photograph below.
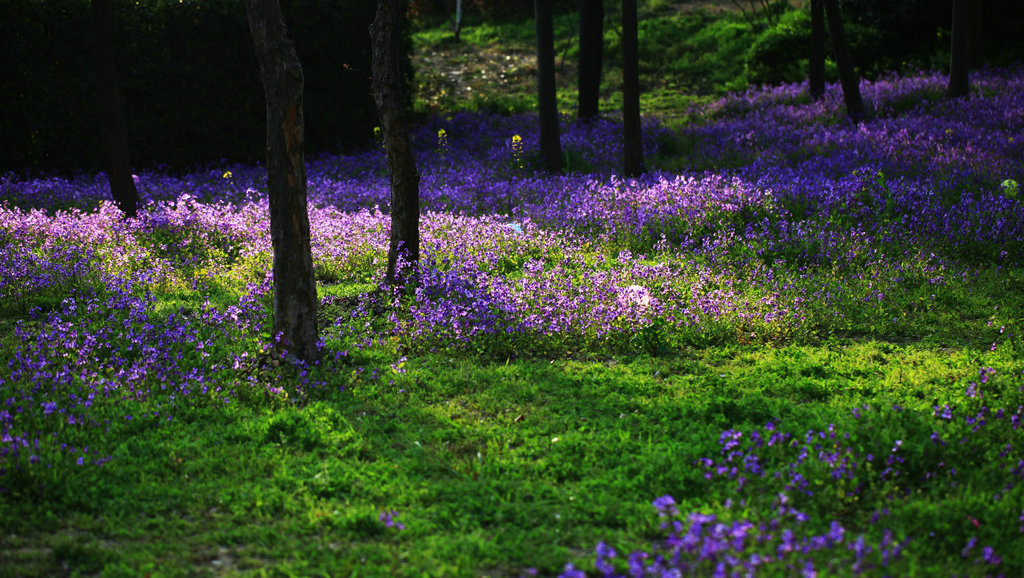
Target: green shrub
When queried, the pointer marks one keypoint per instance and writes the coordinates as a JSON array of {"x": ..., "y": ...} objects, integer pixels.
[{"x": 779, "y": 54}]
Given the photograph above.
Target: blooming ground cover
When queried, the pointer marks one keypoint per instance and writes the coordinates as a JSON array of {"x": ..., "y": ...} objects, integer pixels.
[{"x": 798, "y": 340}]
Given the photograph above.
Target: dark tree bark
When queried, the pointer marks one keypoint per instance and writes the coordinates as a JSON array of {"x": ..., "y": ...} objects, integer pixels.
[
  {"x": 547, "y": 102},
  {"x": 976, "y": 17},
  {"x": 816, "y": 72},
  {"x": 959, "y": 61},
  {"x": 405, "y": 179},
  {"x": 633, "y": 138},
  {"x": 113, "y": 126},
  {"x": 591, "y": 57},
  {"x": 295, "y": 300},
  {"x": 847, "y": 74}
]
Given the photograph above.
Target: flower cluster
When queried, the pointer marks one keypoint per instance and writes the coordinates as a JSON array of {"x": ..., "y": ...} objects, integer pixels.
[
  {"x": 785, "y": 224},
  {"x": 767, "y": 528}
]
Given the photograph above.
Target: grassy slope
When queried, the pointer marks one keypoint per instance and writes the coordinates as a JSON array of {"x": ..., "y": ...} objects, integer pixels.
[{"x": 688, "y": 51}]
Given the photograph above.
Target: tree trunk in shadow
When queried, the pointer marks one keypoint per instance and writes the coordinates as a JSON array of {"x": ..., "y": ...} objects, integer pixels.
[
  {"x": 295, "y": 299},
  {"x": 547, "y": 102},
  {"x": 816, "y": 71},
  {"x": 959, "y": 58},
  {"x": 633, "y": 149},
  {"x": 404, "y": 244},
  {"x": 113, "y": 126},
  {"x": 847, "y": 74}
]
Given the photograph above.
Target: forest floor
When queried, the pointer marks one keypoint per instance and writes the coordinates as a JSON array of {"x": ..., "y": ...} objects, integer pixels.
[
  {"x": 691, "y": 52},
  {"x": 793, "y": 348}
]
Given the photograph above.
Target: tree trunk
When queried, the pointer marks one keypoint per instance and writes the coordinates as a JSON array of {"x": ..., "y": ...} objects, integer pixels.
[
  {"x": 959, "y": 82},
  {"x": 975, "y": 34},
  {"x": 457, "y": 20},
  {"x": 633, "y": 138},
  {"x": 547, "y": 102},
  {"x": 847, "y": 75},
  {"x": 113, "y": 126},
  {"x": 816, "y": 72},
  {"x": 295, "y": 300},
  {"x": 404, "y": 246},
  {"x": 591, "y": 57}
]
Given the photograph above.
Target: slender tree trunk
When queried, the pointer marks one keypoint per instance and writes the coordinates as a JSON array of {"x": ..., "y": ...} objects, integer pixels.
[
  {"x": 591, "y": 57},
  {"x": 547, "y": 102},
  {"x": 457, "y": 20},
  {"x": 404, "y": 246},
  {"x": 295, "y": 300},
  {"x": 113, "y": 126},
  {"x": 633, "y": 146},
  {"x": 959, "y": 62},
  {"x": 847, "y": 74},
  {"x": 816, "y": 72}
]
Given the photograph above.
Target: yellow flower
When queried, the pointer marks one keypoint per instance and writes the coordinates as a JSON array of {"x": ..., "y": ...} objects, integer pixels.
[
  {"x": 442, "y": 143},
  {"x": 517, "y": 151}
]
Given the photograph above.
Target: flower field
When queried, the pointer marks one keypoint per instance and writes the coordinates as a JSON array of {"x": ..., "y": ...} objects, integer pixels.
[{"x": 798, "y": 339}]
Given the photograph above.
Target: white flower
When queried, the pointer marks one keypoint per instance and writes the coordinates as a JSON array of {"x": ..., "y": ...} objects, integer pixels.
[{"x": 635, "y": 295}]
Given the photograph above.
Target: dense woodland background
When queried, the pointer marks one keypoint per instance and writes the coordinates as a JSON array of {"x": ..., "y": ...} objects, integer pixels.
[
  {"x": 192, "y": 93},
  {"x": 188, "y": 78}
]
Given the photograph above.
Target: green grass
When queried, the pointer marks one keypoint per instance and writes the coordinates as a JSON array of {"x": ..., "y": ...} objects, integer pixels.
[
  {"x": 686, "y": 58},
  {"x": 498, "y": 465},
  {"x": 493, "y": 466},
  {"x": 688, "y": 54}
]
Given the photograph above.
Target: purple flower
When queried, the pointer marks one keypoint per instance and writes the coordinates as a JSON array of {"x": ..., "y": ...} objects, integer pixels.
[
  {"x": 637, "y": 565},
  {"x": 603, "y": 566},
  {"x": 972, "y": 390},
  {"x": 571, "y": 572},
  {"x": 387, "y": 517},
  {"x": 970, "y": 545},
  {"x": 990, "y": 557},
  {"x": 666, "y": 505},
  {"x": 836, "y": 532}
]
